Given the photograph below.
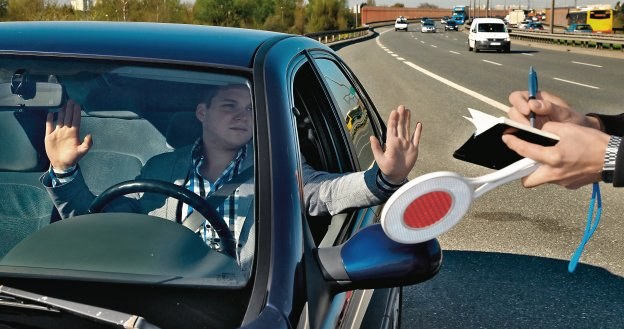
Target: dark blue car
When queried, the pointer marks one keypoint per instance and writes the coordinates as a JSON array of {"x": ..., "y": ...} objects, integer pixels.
[{"x": 138, "y": 85}]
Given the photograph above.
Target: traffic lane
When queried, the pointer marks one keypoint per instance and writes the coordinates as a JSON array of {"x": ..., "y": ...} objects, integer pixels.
[
  {"x": 547, "y": 221},
  {"x": 499, "y": 290},
  {"x": 444, "y": 130},
  {"x": 562, "y": 73},
  {"x": 495, "y": 74},
  {"x": 544, "y": 222}
]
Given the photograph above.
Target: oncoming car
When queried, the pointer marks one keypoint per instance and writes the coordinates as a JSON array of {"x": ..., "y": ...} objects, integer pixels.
[
  {"x": 451, "y": 25},
  {"x": 428, "y": 26},
  {"x": 489, "y": 34},
  {"x": 534, "y": 26},
  {"x": 401, "y": 23},
  {"x": 142, "y": 96}
]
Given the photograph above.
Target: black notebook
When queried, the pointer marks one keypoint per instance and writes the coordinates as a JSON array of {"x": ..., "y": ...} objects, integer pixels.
[{"x": 486, "y": 148}]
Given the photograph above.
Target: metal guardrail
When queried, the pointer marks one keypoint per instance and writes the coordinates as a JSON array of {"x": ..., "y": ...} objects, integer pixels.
[
  {"x": 613, "y": 42},
  {"x": 339, "y": 35}
]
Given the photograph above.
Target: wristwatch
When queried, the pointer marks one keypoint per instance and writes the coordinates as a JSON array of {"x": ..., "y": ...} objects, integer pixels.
[{"x": 608, "y": 168}]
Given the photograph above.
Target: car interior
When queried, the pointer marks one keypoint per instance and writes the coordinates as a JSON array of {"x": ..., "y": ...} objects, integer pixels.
[{"x": 128, "y": 128}]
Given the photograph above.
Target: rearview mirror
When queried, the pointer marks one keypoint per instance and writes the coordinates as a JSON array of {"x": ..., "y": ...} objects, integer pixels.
[
  {"x": 371, "y": 260},
  {"x": 33, "y": 95}
]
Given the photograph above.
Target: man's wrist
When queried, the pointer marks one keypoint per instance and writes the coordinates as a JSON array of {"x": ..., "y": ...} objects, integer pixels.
[
  {"x": 595, "y": 121},
  {"x": 63, "y": 173},
  {"x": 386, "y": 184}
]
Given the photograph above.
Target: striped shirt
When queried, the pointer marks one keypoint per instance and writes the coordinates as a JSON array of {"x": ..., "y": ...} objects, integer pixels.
[{"x": 203, "y": 187}]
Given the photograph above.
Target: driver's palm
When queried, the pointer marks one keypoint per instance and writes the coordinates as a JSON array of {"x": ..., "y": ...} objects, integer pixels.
[{"x": 62, "y": 141}]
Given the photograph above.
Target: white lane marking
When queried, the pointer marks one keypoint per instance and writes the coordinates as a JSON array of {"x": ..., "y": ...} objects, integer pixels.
[
  {"x": 463, "y": 89},
  {"x": 499, "y": 64},
  {"x": 434, "y": 46},
  {"x": 389, "y": 52},
  {"x": 577, "y": 83},
  {"x": 454, "y": 52},
  {"x": 527, "y": 54},
  {"x": 400, "y": 58},
  {"x": 581, "y": 63},
  {"x": 422, "y": 41},
  {"x": 395, "y": 55},
  {"x": 452, "y": 84}
]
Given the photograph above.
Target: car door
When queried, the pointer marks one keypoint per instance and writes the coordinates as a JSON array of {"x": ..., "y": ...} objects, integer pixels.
[{"x": 335, "y": 119}]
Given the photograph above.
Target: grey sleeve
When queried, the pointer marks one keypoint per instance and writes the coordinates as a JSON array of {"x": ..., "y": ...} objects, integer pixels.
[
  {"x": 74, "y": 198},
  {"x": 327, "y": 193}
]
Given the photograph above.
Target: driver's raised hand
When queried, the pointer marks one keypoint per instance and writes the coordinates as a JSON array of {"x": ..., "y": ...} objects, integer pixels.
[
  {"x": 62, "y": 140},
  {"x": 399, "y": 155}
]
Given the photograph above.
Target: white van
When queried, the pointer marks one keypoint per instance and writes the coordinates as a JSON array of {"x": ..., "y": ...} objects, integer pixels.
[{"x": 488, "y": 34}]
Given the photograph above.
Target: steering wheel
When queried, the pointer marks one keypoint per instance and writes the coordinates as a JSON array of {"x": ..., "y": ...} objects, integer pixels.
[{"x": 174, "y": 191}]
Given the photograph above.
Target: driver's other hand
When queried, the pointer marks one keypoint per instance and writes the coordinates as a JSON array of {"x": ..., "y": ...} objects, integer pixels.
[{"x": 62, "y": 141}]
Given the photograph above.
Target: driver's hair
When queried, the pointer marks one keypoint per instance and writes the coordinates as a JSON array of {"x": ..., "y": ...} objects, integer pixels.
[{"x": 209, "y": 93}]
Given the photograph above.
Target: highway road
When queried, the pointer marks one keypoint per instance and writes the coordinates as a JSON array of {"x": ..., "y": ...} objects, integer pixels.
[{"x": 505, "y": 264}]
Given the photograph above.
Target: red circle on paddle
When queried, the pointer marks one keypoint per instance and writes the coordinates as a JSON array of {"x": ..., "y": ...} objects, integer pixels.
[{"x": 427, "y": 209}]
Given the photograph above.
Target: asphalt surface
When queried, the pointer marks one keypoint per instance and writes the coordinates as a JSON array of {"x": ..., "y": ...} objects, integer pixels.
[{"x": 505, "y": 264}]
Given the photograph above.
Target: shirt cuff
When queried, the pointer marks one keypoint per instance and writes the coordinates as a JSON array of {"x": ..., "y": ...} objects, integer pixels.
[
  {"x": 62, "y": 176},
  {"x": 384, "y": 184}
]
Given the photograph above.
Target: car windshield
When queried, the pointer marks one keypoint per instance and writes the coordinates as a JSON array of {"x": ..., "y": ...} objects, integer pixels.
[
  {"x": 492, "y": 27},
  {"x": 147, "y": 122},
  {"x": 451, "y": 23},
  {"x": 429, "y": 23}
]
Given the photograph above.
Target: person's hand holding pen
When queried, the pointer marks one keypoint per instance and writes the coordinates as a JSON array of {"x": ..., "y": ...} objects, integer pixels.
[
  {"x": 577, "y": 159},
  {"x": 546, "y": 107}
]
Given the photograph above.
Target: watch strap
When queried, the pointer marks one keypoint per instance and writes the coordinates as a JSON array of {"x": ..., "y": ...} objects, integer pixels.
[{"x": 610, "y": 157}]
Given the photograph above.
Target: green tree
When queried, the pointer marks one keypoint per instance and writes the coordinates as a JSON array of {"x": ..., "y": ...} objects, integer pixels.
[
  {"x": 117, "y": 10},
  {"x": 4, "y": 9},
  {"x": 327, "y": 15},
  {"x": 427, "y": 5},
  {"x": 398, "y": 5},
  {"x": 25, "y": 10}
]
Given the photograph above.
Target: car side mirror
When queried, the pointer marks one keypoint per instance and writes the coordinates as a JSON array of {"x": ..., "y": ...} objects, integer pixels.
[{"x": 371, "y": 260}]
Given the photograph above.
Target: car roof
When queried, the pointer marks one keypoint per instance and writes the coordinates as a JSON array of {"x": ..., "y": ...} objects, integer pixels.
[
  {"x": 155, "y": 41},
  {"x": 488, "y": 20}
]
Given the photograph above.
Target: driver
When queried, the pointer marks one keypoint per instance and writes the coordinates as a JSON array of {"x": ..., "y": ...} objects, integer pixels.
[{"x": 218, "y": 157}]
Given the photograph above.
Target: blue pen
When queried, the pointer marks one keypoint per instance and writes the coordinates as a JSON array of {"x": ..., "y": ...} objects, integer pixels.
[{"x": 532, "y": 92}]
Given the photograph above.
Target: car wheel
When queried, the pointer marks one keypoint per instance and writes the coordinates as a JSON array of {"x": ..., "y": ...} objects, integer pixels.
[
  {"x": 508, "y": 49},
  {"x": 476, "y": 50}
]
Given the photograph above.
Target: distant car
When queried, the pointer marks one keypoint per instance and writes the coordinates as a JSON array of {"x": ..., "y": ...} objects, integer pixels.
[
  {"x": 401, "y": 24},
  {"x": 523, "y": 25},
  {"x": 428, "y": 26},
  {"x": 580, "y": 28},
  {"x": 451, "y": 25},
  {"x": 535, "y": 26},
  {"x": 444, "y": 19}
]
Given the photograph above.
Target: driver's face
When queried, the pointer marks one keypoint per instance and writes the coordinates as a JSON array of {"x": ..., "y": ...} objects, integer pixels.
[{"x": 227, "y": 120}]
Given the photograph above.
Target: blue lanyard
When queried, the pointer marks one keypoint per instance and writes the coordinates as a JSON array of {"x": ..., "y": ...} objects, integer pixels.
[{"x": 592, "y": 224}]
